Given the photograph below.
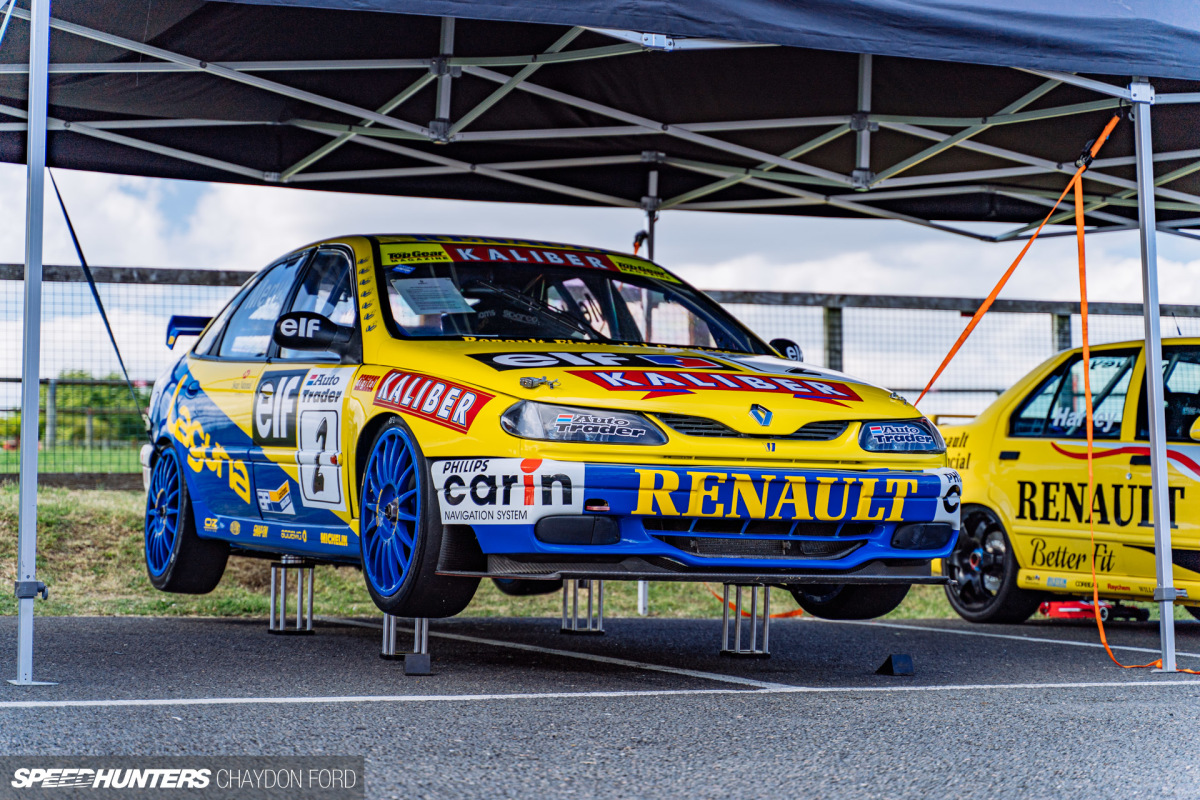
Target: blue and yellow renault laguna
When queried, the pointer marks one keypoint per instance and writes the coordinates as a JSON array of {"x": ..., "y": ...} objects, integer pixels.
[{"x": 440, "y": 409}]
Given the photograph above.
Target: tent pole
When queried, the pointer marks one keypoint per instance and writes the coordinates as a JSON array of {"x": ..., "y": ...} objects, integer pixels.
[
  {"x": 1143, "y": 97},
  {"x": 39, "y": 51},
  {"x": 862, "y": 175}
]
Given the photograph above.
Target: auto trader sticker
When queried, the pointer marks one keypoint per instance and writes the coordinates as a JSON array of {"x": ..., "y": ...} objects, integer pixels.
[
  {"x": 433, "y": 399},
  {"x": 506, "y": 491},
  {"x": 665, "y": 384}
]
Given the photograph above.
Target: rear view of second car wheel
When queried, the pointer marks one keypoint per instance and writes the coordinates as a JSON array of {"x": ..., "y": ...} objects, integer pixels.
[
  {"x": 400, "y": 532},
  {"x": 984, "y": 570}
]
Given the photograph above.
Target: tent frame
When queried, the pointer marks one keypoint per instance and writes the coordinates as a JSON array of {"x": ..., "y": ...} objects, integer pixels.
[{"x": 793, "y": 181}]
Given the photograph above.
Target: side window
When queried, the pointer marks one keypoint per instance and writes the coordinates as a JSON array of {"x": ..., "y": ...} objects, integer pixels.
[
  {"x": 248, "y": 335},
  {"x": 207, "y": 344},
  {"x": 327, "y": 288},
  {"x": 1181, "y": 381},
  {"x": 1057, "y": 408}
]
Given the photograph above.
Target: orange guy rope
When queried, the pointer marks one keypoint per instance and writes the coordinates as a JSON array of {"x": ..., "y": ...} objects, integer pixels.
[
  {"x": 991, "y": 298},
  {"x": 1087, "y": 395}
]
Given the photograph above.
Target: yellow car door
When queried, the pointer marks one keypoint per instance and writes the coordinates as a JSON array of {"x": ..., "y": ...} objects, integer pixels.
[{"x": 1040, "y": 484}]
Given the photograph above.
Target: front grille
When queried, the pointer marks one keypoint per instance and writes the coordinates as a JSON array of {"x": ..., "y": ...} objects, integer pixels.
[
  {"x": 745, "y": 547},
  {"x": 701, "y": 426},
  {"x": 750, "y": 528}
]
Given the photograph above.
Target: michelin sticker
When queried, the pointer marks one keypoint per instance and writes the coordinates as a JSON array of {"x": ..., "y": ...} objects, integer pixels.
[{"x": 506, "y": 491}]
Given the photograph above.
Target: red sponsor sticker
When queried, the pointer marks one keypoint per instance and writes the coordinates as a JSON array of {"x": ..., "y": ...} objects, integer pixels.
[
  {"x": 366, "y": 383},
  {"x": 430, "y": 398},
  {"x": 666, "y": 384}
]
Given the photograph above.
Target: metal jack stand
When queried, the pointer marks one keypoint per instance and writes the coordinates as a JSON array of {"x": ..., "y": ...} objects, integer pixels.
[
  {"x": 593, "y": 622},
  {"x": 277, "y": 623},
  {"x": 416, "y": 662},
  {"x": 754, "y": 620}
]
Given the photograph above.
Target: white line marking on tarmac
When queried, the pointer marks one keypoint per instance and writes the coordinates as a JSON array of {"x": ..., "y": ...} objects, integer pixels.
[
  {"x": 439, "y": 698},
  {"x": 620, "y": 662},
  {"x": 1014, "y": 637}
]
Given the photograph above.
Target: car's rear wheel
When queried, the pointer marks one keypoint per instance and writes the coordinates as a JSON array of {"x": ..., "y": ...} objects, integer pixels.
[
  {"x": 177, "y": 559},
  {"x": 1194, "y": 611},
  {"x": 984, "y": 570},
  {"x": 849, "y": 601},
  {"x": 400, "y": 532}
]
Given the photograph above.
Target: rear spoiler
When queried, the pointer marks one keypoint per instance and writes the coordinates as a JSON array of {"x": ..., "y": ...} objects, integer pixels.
[{"x": 185, "y": 326}]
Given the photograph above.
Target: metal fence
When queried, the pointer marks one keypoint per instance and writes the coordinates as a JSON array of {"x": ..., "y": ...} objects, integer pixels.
[{"x": 89, "y": 425}]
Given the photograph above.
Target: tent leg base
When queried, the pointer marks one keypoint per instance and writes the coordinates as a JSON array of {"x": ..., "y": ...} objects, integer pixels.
[{"x": 32, "y": 683}]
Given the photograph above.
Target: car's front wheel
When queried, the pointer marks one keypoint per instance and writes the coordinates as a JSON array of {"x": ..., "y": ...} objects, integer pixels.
[
  {"x": 849, "y": 601},
  {"x": 400, "y": 531},
  {"x": 984, "y": 570}
]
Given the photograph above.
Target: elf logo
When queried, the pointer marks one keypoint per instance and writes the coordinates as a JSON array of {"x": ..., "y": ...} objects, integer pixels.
[
  {"x": 304, "y": 328},
  {"x": 275, "y": 403}
]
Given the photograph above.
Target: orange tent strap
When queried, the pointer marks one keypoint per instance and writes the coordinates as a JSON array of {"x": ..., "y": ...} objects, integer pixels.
[{"x": 991, "y": 298}]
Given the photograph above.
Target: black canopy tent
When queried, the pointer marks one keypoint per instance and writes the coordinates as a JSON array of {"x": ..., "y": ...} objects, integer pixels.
[{"x": 938, "y": 113}]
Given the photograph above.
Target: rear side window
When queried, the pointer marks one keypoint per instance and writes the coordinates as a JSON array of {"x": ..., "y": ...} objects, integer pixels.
[
  {"x": 1181, "y": 398},
  {"x": 1057, "y": 408},
  {"x": 248, "y": 335}
]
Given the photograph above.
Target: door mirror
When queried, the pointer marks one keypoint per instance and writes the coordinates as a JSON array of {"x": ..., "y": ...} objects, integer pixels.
[
  {"x": 303, "y": 330},
  {"x": 1194, "y": 431},
  {"x": 788, "y": 349}
]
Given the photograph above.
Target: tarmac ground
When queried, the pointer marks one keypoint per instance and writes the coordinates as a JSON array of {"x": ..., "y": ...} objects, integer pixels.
[{"x": 650, "y": 709}]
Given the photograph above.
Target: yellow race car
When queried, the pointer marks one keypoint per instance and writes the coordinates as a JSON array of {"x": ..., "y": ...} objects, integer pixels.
[
  {"x": 443, "y": 409},
  {"x": 1023, "y": 461}
]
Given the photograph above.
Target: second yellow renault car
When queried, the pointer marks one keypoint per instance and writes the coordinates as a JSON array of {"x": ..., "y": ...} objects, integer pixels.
[
  {"x": 440, "y": 409},
  {"x": 1023, "y": 461}
]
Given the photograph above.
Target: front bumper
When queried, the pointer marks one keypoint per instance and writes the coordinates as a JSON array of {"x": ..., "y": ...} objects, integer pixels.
[{"x": 699, "y": 522}]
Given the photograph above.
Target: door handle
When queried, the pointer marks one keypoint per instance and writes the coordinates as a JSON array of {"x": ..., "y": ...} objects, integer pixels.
[
  {"x": 1139, "y": 461},
  {"x": 1010, "y": 455}
]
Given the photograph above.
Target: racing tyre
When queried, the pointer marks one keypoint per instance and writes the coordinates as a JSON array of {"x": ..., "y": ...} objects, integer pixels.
[
  {"x": 849, "y": 601},
  {"x": 521, "y": 587},
  {"x": 985, "y": 569},
  {"x": 1193, "y": 610},
  {"x": 400, "y": 532},
  {"x": 177, "y": 559}
]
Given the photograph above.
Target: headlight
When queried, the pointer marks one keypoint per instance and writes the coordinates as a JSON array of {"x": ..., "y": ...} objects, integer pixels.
[
  {"x": 566, "y": 424},
  {"x": 901, "y": 436}
]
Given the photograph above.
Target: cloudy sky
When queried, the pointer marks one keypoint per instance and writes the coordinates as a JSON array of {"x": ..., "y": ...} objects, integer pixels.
[{"x": 143, "y": 222}]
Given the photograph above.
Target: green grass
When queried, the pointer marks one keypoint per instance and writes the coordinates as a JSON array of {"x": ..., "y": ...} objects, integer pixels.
[
  {"x": 77, "y": 459},
  {"x": 90, "y": 556}
]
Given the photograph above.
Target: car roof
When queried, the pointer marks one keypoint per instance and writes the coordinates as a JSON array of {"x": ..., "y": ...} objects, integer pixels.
[
  {"x": 1190, "y": 340},
  {"x": 440, "y": 238}
]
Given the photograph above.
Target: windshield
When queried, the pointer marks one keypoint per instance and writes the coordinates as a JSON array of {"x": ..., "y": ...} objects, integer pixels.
[{"x": 494, "y": 299}]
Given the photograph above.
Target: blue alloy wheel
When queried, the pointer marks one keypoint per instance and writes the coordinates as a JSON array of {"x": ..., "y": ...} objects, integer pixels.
[
  {"x": 391, "y": 503},
  {"x": 163, "y": 503}
]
